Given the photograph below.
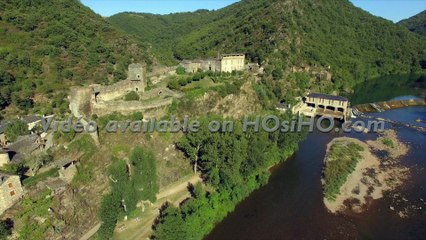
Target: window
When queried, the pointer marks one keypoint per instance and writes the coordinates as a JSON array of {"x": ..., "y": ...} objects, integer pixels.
[
  {"x": 10, "y": 185},
  {"x": 12, "y": 193}
]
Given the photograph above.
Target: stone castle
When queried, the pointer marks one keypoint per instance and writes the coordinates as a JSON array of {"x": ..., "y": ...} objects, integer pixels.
[
  {"x": 224, "y": 63},
  {"x": 101, "y": 100}
]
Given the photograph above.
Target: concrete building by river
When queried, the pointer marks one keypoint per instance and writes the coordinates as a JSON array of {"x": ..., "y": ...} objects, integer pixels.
[{"x": 316, "y": 104}]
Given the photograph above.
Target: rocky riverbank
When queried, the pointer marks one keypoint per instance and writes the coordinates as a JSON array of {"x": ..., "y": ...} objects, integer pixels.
[{"x": 377, "y": 171}]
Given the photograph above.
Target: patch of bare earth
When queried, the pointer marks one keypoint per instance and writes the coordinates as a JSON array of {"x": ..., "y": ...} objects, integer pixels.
[
  {"x": 238, "y": 105},
  {"x": 373, "y": 175}
]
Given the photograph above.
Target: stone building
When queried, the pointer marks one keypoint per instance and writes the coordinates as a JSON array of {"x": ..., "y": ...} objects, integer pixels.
[
  {"x": 316, "y": 104},
  {"x": 32, "y": 121},
  {"x": 10, "y": 191},
  {"x": 232, "y": 62},
  {"x": 4, "y": 157},
  {"x": 25, "y": 146},
  {"x": 225, "y": 63},
  {"x": 68, "y": 169},
  {"x": 136, "y": 72},
  {"x": 3, "y": 139}
]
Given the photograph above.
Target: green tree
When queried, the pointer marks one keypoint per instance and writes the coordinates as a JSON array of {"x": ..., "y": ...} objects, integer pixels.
[
  {"x": 171, "y": 225},
  {"x": 5, "y": 229},
  {"x": 145, "y": 174},
  {"x": 110, "y": 209}
]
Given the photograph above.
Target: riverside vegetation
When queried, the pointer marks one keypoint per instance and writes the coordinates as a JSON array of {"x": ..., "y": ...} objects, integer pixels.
[
  {"x": 355, "y": 174},
  {"x": 341, "y": 161},
  {"x": 232, "y": 165}
]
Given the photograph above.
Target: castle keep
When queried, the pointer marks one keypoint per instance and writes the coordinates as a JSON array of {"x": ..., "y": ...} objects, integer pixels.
[
  {"x": 134, "y": 82},
  {"x": 225, "y": 63},
  {"x": 102, "y": 100}
]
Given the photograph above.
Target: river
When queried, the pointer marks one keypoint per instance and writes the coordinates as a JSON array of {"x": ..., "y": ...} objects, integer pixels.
[{"x": 291, "y": 205}]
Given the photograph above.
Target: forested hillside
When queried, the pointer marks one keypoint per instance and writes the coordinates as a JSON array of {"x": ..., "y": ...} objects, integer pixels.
[
  {"x": 329, "y": 34},
  {"x": 162, "y": 31},
  {"x": 48, "y": 45},
  {"x": 416, "y": 23}
]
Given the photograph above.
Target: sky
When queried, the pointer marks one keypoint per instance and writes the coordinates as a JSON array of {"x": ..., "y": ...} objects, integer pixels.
[{"x": 394, "y": 10}]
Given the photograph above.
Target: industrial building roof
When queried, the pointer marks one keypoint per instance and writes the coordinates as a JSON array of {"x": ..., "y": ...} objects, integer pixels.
[{"x": 328, "y": 97}]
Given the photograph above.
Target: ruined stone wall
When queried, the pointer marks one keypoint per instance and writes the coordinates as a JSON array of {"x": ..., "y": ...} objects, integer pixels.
[
  {"x": 205, "y": 65},
  {"x": 127, "y": 107},
  {"x": 160, "y": 92},
  {"x": 118, "y": 90}
]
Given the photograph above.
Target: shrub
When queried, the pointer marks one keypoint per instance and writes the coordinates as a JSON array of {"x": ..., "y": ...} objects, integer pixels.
[
  {"x": 16, "y": 129},
  {"x": 341, "y": 161},
  {"x": 173, "y": 85},
  {"x": 388, "y": 142},
  {"x": 5, "y": 229},
  {"x": 31, "y": 181},
  {"x": 183, "y": 82},
  {"x": 132, "y": 96},
  {"x": 180, "y": 70},
  {"x": 136, "y": 116}
]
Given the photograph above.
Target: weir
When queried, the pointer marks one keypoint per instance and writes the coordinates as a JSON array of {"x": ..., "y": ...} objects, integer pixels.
[{"x": 361, "y": 110}]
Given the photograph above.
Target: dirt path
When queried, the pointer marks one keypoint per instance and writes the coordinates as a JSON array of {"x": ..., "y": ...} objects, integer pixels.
[
  {"x": 91, "y": 232},
  {"x": 178, "y": 187},
  {"x": 141, "y": 228}
]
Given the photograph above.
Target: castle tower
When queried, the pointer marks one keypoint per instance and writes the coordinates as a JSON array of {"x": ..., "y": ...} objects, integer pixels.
[
  {"x": 136, "y": 75},
  {"x": 4, "y": 157},
  {"x": 136, "y": 72}
]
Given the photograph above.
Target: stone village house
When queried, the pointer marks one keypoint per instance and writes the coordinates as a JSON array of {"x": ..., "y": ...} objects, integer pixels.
[{"x": 10, "y": 191}]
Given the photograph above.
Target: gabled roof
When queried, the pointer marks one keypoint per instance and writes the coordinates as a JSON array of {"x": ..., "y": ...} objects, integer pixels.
[
  {"x": 5, "y": 176},
  {"x": 328, "y": 97},
  {"x": 31, "y": 119}
]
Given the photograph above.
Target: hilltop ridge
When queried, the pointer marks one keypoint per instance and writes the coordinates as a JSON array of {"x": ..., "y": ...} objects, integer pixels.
[{"x": 329, "y": 34}]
